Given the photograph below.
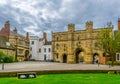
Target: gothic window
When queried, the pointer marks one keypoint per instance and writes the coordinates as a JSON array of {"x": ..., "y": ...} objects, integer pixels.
[
  {"x": 65, "y": 47},
  {"x": 57, "y": 46},
  {"x": 57, "y": 38},
  {"x": 57, "y": 55}
]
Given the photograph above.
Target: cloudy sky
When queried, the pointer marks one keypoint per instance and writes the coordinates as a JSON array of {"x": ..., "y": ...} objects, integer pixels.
[{"x": 38, "y": 16}]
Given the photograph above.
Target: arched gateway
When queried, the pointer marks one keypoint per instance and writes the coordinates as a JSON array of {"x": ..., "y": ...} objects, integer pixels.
[
  {"x": 64, "y": 58},
  {"x": 77, "y": 54},
  {"x": 27, "y": 55},
  {"x": 95, "y": 58}
]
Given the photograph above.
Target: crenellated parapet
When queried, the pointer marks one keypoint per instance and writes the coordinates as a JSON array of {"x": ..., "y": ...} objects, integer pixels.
[{"x": 71, "y": 27}]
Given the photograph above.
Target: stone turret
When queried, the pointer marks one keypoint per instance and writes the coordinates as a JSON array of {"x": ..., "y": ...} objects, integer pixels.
[
  {"x": 5, "y": 31},
  {"x": 27, "y": 36},
  {"x": 15, "y": 30},
  {"x": 71, "y": 27},
  {"x": 89, "y": 25}
]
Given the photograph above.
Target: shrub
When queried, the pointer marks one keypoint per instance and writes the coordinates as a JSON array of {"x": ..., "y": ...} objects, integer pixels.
[
  {"x": 109, "y": 62},
  {"x": 117, "y": 63},
  {"x": 8, "y": 59},
  {"x": 2, "y": 54}
]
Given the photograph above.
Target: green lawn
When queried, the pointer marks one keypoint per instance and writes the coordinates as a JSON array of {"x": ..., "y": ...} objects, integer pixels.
[{"x": 66, "y": 79}]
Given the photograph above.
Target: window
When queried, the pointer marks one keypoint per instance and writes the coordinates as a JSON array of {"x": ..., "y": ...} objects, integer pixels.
[
  {"x": 32, "y": 42},
  {"x": 117, "y": 56},
  {"x": 57, "y": 55},
  {"x": 57, "y": 38},
  {"x": 20, "y": 42},
  {"x": 45, "y": 57},
  {"x": 20, "y": 52},
  {"x": 64, "y": 47},
  {"x": 57, "y": 46},
  {"x": 49, "y": 50},
  {"x": 44, "y": 49},
  {"x": 30, "y": 48},
  {"x": 39, "y": 50}
]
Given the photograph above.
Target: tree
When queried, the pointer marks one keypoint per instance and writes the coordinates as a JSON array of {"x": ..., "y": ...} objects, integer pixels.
[
  {"x": 110, "y": 42},
  {"x": 4, "y": 58}
]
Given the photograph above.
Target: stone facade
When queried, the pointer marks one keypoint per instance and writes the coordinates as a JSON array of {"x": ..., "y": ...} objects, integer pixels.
[
  {"x": 18, "y": 41},
  {"x": 6, "y": 47},
  {"x": 73, "y": 46}
]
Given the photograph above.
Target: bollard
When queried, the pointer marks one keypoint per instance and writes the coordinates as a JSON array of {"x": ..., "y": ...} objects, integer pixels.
[{"x": 2, "y": 66}]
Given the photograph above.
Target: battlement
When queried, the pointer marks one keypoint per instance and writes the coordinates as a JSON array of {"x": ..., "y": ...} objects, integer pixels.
[
  {"x": 71, "y": 24},
  {"x": 89, "y": 25},
  {"x": 71, "y": 27}
]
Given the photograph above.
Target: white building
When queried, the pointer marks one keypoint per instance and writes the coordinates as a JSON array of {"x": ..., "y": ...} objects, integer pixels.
[
  {"x": 40, "y": 49},
  {"x": 34, "y": 46}
]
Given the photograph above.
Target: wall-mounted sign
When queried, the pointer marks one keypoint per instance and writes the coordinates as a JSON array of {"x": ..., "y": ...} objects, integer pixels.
[{"x": 26, "y": 75}]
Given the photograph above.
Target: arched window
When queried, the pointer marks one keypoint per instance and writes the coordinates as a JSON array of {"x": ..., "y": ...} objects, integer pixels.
[
  {"x": 57, "y": 46},
  {"x": 57, "y": 38}
]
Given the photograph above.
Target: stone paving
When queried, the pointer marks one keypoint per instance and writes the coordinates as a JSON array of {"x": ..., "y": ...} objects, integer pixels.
[{"x": 37, "y": 66}]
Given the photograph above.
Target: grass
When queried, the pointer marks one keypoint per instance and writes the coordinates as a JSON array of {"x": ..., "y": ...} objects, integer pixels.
[{"x": 65, "y": 79}]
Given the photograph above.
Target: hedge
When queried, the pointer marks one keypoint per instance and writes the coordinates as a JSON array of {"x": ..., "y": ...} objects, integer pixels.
[{"x": 14, "y": 74}]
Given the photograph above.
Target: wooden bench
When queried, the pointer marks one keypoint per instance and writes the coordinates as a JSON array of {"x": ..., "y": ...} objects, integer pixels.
[{"x": 26, "y": 75}]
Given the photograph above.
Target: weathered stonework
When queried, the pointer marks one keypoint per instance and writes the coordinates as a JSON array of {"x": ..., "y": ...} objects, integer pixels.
[
  {"x": 70, "y": 46},
  {"x": 18, "y": 41}
]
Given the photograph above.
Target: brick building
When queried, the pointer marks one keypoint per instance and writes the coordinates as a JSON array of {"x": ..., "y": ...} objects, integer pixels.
[{"x": 18, "y": 41}]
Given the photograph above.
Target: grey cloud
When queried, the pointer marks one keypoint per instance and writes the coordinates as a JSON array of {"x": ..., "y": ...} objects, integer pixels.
[{"x": 55, "y": 15}]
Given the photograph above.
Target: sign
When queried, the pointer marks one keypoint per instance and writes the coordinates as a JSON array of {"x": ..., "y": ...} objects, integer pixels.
[{"x": 26, "y": 75}]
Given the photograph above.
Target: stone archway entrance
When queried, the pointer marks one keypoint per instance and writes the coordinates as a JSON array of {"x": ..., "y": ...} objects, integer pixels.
[
  {"x": 27, "y": 55},
  {"x": 64, "y": 58},
  {"x": 95, "y": 58},
  {"x": 77, "y": 53}
]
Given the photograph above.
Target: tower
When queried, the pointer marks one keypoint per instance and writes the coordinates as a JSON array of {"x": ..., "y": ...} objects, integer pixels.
[
  {"x": 89, "y": 25},
  {"x": 15, "y": 30},
  {"x": 71, "y": 27},
  {"x": 5, "y": 31},
  {"x": 7, "y": 25},
  {"x": 27, "y": 36},
  {"x": 70, "y": 43},
  {"x": 118, "y": 23}
]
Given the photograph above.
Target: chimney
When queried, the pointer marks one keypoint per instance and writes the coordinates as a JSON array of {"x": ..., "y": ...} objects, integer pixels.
[
  {"x": 45, "y": 36},
  {"x": 7, "y": 25},
  {"x": 27, "y": 36},
  {"x": 118, "y": 23},
  {"x": 15, "y": 30}
]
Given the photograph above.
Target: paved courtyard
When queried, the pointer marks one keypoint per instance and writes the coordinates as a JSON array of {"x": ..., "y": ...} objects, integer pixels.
[{"x": 36, "y": 66}]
